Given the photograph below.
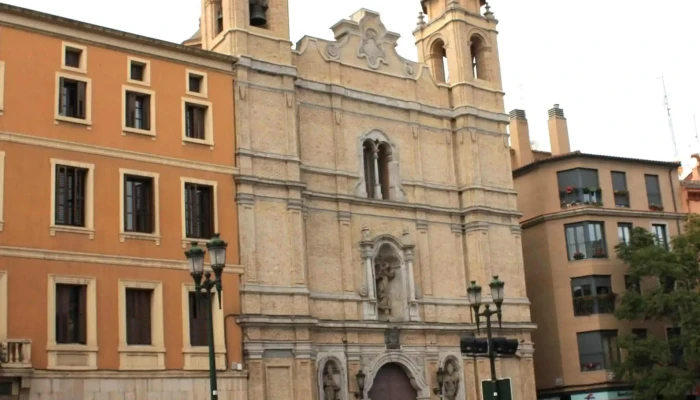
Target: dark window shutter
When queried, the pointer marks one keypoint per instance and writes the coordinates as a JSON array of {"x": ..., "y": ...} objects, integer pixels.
[
  {"x": 138, "y": 315},
  {"x": 207, "y": 213},
  {"x": 80, "y": 111},
  {"x": 79, "y": 198},
  {"x": 147, "y": 113},
  {"x": 82, "y": 314},
  {"x": 60, "y": 206},
  {"x": 61, "y": 97},
  {"x": 62, "y": 309},
  {"x": 198, "y": 320},
  {"x": 199, "y": 123},
  {"x": 189, "y": 220},
  {"x": 145, "y": 320},
  {"x": 130, "y": 109}
]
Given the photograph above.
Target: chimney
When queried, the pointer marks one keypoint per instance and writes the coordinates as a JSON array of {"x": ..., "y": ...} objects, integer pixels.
[
  {"x": 558, "y": 132},
  {"x": 520, "y": 138}
]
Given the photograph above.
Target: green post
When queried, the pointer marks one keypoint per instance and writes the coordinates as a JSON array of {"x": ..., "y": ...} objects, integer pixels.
[{"x": 212, "y": 360}]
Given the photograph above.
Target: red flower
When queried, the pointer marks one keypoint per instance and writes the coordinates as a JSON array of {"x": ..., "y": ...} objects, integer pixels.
[{"x": 569, "y": 189}]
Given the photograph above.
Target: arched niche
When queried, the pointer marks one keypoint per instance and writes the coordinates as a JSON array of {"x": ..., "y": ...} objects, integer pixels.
[
  {"x": 455, "y": 361},
  {"x": 331, "y": 370},
  {"x": 391, "y": 280},
  {"x": 413, "y": 370}
]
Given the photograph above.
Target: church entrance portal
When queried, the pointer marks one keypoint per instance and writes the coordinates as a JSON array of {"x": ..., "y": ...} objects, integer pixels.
[{"x": 391, "y": 383}]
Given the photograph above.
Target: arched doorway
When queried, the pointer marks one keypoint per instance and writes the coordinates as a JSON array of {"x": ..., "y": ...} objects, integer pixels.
[{"x": 391, "y": 383}]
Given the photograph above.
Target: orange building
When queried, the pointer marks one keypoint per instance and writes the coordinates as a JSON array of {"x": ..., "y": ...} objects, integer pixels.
[
  {"x": 690, "y": 188},
  {"x": 116, "y": 151}
]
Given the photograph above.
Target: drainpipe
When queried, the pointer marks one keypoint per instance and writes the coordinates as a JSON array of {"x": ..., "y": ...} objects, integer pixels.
[{"x": 673, "y": 196}]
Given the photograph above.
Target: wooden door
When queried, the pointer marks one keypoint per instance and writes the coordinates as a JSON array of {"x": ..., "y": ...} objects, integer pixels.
[{"x": 391, "y": 383}]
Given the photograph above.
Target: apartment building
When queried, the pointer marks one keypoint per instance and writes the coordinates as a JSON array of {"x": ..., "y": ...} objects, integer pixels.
[
  {"x": 116, "y": 151},
  {"x": 576, "y": 208}
]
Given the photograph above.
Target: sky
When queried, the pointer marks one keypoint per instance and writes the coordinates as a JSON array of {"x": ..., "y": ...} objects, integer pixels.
[{"x": 602, "y": 62}]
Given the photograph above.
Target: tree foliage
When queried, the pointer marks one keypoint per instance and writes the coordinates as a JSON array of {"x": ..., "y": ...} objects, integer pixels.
[{"x": 657, "y": 367}]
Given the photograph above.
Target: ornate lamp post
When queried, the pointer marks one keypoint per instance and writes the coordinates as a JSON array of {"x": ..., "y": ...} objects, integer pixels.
[
  {"x": 360, "y": 376},
  {"x": 497, "y": 292},
  {"x": 195, "y": 261},
  {"x": 440, "y": 381}
]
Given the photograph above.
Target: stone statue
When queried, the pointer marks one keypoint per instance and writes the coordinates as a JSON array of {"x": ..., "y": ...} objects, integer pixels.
[
  {"x": 385, "y": 273},
  {"x": 330, "y": 387},
  {"x": 451, "y": 382}
]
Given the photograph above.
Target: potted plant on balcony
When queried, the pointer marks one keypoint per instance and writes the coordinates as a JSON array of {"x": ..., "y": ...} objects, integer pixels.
[
  {"x": 569, "y": 189},
  {"x": 656, "y": 207},
  {"x": 599, "y": 253},
  {"x": 621, "y": 192},
  {"x": 579, "y": 256}
]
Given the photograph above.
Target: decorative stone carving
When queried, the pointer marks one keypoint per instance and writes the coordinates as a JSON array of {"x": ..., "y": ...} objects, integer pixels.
[
  {"x": 371, "y": 49},
  {"x": 331, "y": 388},
  {"x": 384, "y": 273},
  {"x": 408, "y": 69},
  {"x": 392, "y": 338},
  {"x": 363, "y": 292},
  {"x": 450, "y": 386}
]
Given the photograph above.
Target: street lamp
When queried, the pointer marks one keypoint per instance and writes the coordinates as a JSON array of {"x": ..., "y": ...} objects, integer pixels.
[
  {"x": 440, "y": 381},
  {"x": 472, "y": 344},
  {"x": 195, "y": 261},
  {"x": 360, "y": 376}
]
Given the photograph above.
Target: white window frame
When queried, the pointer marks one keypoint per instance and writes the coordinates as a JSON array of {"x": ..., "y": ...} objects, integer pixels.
[
  {"x": 668, "y": 233},
  {"x": 72, "y": 352},
  {"x": 204, "y": 87},
  {"x": 123, "y": 234},
  {"x": 208, "y": 122},
  {"x": 3, "y": 305},
  {"x": 88, "y": 100},
  {"x": 83, "y": 57},
  {"x": 2, "y": 87},
  {"x": 146, "y": 71},
  {"x": 142, "y": 357},
  {"x": 2, "y": 190},
  {"x": 152, "y": 111},
  {"x": 214, "y": 184},
  {"x": 197, "y": 357},
  {"x": 89, "y": 228}
]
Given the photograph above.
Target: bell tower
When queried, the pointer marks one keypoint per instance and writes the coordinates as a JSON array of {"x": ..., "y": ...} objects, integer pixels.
[
  {"x": 458, "y": 41},
  {"x": 255, "y": 28}
]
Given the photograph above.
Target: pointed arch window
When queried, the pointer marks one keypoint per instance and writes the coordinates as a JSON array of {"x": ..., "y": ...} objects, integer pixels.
[
  {"x": 377, "y": 159},
  {"x": 477, "y": 49},
  {"x": 438, "y": 62}
]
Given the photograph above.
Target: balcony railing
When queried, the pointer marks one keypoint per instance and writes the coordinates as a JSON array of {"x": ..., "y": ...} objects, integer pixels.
[
  {"x": 574, "y": 196},
  {"x": 599, "y": 304},
  {"x": 16, "y": 353}
]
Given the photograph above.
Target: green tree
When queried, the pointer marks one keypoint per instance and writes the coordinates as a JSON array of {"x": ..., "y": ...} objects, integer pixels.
[{"x": 657, "y": 367}]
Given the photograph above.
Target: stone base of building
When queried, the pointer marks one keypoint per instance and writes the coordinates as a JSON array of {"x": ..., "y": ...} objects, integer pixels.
[{"x": 136, "y": 385}]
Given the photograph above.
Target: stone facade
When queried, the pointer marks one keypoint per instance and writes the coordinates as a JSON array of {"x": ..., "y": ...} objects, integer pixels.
[{"x": 370, "y": 193}]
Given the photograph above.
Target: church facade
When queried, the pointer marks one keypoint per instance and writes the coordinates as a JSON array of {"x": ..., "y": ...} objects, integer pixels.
[{"x": 370, "y": 191}]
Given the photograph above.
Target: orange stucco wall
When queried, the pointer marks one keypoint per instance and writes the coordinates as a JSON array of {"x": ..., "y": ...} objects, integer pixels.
[{"x": 31, "y": 137}]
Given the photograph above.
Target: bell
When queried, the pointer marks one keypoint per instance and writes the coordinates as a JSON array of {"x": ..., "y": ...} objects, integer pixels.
[{"x": 257, "y": 13}]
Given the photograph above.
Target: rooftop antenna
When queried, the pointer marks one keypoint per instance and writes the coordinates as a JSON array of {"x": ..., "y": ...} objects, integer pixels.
[
  {"x": 670, "y": 120},
  {"x": 695, "y": 123}
]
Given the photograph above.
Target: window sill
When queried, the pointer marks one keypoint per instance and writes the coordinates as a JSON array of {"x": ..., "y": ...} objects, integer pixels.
[
  {"x": 202, "y": 142},
  {"x": 79, "y": 121},
  {"x": 139, "y": 236},
  {"x": 144, "y": 132},
  {"x": 196, "y": 94},
  {"x": 140, "y": 83},
  {"x": 72, "y": 357},
  {"x": 197, "y": 358},
  {"x": 74, "y": 69},
  {"x": 71, "y": 229},
  {"x": 141, "y": 358}
]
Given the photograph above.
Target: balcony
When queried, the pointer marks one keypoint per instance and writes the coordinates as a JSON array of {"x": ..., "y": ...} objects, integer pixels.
[
  {"x": 598, "y": 304},
  {"x": 576, "y": 196},
  {"x": 16, "y": 353},
  {"x": 587, "y": 249}
]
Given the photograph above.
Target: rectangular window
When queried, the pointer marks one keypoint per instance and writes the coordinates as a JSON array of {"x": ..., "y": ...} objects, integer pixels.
[
  {"x": 592, "y": 295},
  {"x": 71, "y": 310},
  {"x": 632, "y": 284},
  {"x": 660, "y": 236},
  {"x": 72, "y": 98},
  {"x": 199, "y": 211},
  {"x": 137, "y": 71},
  {"x": 195, "y": 83},
  {"x": 579, "y": 187},
  {"x": 138, "y": 316},
  {"x": 619, "y": 181},
  {"x": 198, "y": 319},
  {"x": 195, "y": 121},
  {"x": 138, "y": 110},
  {"x": 70, "y": 195},
  {"x": 72, "y": 57},
  {"x": 138, "y": 204},
  {"x": 624, "y": 230},
  {"x": 586, "y": 240},
  {"x": 673, "y": 335},
  {"x": 653, "y": 192},
  {"x": 598, "y": 350},
  {"x": 640, "y": 333}
]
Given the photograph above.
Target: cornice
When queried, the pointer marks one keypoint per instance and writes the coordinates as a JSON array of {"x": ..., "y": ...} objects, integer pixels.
[
  {"x": 601, "y": 212},
  {"x": 94, "y": 258},
  {"x": 115, "y": 153}
]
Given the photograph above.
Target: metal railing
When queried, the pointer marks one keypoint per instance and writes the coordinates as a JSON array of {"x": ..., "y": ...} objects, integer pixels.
[
  {"x": 16, "y": 353},
  {"x": 599, "y": 304}
]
